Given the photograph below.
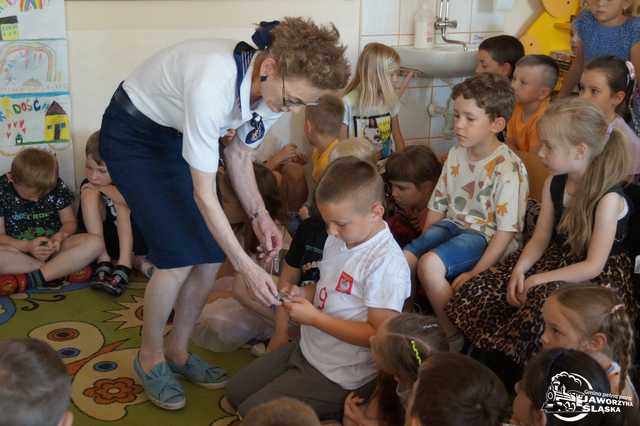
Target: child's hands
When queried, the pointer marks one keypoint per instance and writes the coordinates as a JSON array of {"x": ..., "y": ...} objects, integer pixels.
[
  {"x": 299, "y": 158},
  {"x": 461, "y": 279},
  {"x": 287, "y": 153},
  {"x": 292, "y": 291},
  {"x": 521, "y": 287},
  {"x": 515, "y": 287},
  {"x": 41, "y": 248},
  {"x": 56, "y": 241},
  {"x": 88, "y": 187},
  {"x": 301, "y": 310}
]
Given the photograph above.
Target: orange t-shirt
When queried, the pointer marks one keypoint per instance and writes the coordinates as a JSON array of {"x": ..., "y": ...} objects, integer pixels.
[{"x": 523, "y": 135}]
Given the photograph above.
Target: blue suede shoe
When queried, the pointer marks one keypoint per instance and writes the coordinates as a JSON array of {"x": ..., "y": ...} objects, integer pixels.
[
  {"x": 161, "y": 386},
  {"x": 199, "y": 372}
]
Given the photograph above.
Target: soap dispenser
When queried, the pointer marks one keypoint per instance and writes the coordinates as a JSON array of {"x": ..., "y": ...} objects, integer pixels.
[{"x": 421, "y": 24}]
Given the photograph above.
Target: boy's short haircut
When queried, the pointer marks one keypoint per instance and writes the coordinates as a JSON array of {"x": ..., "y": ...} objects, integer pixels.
[
  {"x": 416, "y": 164},
  {"x": 356, "y": 147},
  {"x": 93, "y": 148},
  {"x": 326, "y": 117},
  {"x": 36, "y": 169},
  {"x": 34, "y": 384},
  {"x": 504, "y": 49},
  {"x": 282, "y": 412},
  {"x": 550, "y": 69},
  {"x": 492, "y": 93},
  {"x": 350, "y": 178}
]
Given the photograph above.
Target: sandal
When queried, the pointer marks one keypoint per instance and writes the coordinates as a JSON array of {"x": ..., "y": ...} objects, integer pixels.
[
  {"x": 160, "y": 386},
  {"x": 102, "y": 279},
  {"x": 120, "y": 278},
  {"x": 199, "y": 372}
]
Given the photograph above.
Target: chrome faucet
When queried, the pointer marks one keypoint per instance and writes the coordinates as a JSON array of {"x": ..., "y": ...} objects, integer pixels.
[{"x": 442, "y": 22}]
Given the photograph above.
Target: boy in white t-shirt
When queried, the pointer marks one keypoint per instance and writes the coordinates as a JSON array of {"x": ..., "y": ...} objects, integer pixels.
[{"x": 364, "y": 279}]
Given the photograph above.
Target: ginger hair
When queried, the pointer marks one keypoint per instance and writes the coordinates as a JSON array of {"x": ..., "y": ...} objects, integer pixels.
[{"x": 306, "y": 50}]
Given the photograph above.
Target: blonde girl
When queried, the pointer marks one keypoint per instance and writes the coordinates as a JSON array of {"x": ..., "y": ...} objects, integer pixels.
[
  {"x": 592, "y": 319},
  {"x": 604, "y": 27},
  {"x": 578, "y": 236},
  {"x": 399, "y": 347},
  {"x": 608, "y": 82},
  {"x": 371, "y": 102}
]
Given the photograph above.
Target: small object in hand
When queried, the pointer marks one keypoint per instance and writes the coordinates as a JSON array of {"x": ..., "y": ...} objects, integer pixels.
[
  {"x": 283, "y": 297},
  {"x": 44, "y": 243}
]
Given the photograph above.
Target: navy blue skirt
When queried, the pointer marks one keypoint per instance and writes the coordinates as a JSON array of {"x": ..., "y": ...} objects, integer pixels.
[{"x": 146, "y": 165}]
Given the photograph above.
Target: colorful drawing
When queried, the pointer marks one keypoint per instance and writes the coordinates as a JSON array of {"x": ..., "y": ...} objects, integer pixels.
[
  {"x": 28, "y": 66},
  {"x": 56, "y": 124},
  {"x": 34, "y": 19},
  {"x": 9, "y": 28},
  {"x": 32, "y": 118}
]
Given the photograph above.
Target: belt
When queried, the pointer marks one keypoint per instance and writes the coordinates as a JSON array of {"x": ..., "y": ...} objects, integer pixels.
[{"x": 122, "y": 99}]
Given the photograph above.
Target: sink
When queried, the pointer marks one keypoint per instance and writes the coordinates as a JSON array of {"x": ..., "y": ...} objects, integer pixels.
[{"x": 440, "y": 61}]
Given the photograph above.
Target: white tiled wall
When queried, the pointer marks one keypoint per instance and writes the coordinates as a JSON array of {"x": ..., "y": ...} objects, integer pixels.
[{"x": 391, "y": 22}]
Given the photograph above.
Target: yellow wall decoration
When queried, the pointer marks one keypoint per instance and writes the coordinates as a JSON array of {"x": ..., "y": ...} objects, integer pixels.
[{"x": 551, "y": 30}]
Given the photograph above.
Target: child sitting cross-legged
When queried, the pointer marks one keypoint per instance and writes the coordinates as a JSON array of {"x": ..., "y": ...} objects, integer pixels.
[
  {"x": 476, "y": 211},
  {"x": 104, "y": 212},
  {"x": 37, "y": 218},
  {"x": 364, "y": 280}
]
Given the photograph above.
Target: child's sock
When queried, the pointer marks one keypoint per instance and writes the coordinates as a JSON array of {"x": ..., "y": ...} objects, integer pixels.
[{"x": 35, "y": 279}]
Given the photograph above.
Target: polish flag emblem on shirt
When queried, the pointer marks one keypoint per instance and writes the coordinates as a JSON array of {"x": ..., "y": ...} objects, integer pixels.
[{"x": 345, "y": 283}]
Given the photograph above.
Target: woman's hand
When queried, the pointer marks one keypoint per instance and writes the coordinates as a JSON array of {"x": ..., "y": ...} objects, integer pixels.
[
  {"x": 268, "y": 234},
  {"x": 260, "y": 284}
]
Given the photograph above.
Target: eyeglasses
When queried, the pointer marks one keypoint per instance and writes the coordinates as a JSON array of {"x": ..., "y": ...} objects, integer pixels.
[{"x": 292, "y": 103}]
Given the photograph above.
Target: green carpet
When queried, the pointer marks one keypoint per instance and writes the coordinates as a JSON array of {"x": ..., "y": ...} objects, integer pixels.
[{"x": 98, "y": 336}]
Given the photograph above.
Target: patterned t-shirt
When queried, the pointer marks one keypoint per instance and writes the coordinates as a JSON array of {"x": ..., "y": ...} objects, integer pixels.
[
  {"x": 27, "y": 220},
  {"x": 373, "y": 124},
  {"x": 486, "y": 195}
]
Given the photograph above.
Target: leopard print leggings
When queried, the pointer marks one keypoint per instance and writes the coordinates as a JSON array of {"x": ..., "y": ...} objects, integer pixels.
[{"x": 480, "y": 309}]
